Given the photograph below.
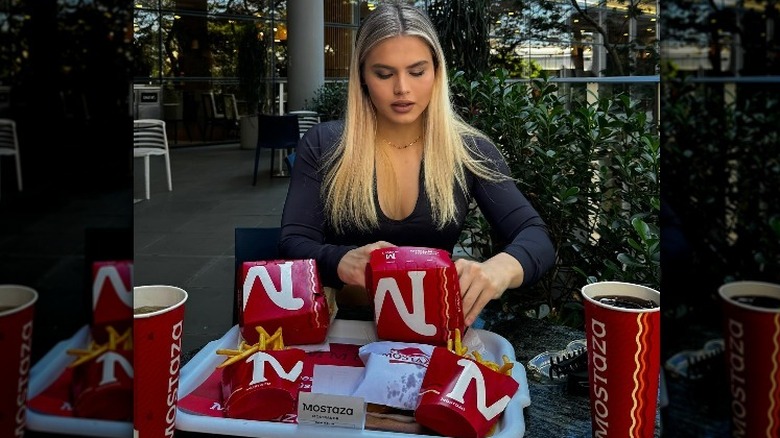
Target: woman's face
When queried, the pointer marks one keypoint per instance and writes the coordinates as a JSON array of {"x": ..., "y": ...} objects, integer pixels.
[{"x": 399, "y": 74}]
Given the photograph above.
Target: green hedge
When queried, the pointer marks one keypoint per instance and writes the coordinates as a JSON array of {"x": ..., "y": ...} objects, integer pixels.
[{"x": 592, "y": 172}]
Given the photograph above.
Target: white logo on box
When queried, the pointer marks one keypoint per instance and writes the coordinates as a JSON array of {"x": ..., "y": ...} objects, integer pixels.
[
  {"x": 414, "y": 319},
  {"x": 282, "y": 297},
  {"x": 109, "y": 361},
  {"x": 472, "y": 372},
  {"x": 111, "y": 274},
  {"x": 259, "y": 360}
]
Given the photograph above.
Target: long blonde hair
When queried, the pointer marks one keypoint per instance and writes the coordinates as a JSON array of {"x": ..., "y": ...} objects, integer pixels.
[{"x": 449, "y": 143}]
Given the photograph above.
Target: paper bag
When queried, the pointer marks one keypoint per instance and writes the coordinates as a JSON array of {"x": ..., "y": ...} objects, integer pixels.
[{"x": 286, "y": 294}]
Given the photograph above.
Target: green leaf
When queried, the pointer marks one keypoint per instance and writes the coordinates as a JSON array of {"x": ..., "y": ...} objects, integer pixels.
[
  {"x": 641, "y": 228},
  {"x": 628, "y": 260}
]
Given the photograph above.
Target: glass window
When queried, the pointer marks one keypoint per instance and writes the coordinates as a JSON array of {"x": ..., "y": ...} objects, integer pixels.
[{"x": 192, "y": 46}]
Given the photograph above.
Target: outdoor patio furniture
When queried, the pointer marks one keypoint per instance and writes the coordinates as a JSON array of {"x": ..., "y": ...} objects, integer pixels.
[
  {"x": 9, "y": 146},
  {"x": 306, "y": 119},
  {"x": 173, "y": 114},
  {"x": 149, "y": 139},
  {"x": 214, "y": 114},
  {"x": 278, "y": 133},
  {"x": 232, "y": 115}
]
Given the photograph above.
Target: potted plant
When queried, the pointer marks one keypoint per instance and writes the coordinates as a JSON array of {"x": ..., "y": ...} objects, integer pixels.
[
  {"x": 251, "y": 75},
  {"x": 330, "y": 100}
]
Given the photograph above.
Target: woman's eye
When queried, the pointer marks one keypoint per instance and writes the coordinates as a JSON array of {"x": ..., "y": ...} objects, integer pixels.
[
  {"x": 417, "y": 73},
  {"x": 383, "y": 75}
]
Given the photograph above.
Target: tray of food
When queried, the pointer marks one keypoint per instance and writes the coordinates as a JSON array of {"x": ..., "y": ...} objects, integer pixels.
[
  {"x": 334, "y": 366},
  {"x": 50, "y": 405}
]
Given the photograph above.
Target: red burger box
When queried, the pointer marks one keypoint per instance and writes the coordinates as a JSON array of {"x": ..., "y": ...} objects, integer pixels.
[
  {"x": 416, "y": 295},
  {"x": 286, "y": 294},
  {"x": 112, "y": 297}
]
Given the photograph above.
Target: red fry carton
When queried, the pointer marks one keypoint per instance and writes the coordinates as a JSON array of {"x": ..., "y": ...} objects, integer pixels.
[
  {"x": 264, "y": 386},
  {"x": 460, "y": 397},
  {"x": 103, "y": 384},
  {"x": 286, "y": 294},
  {"x": 416, "y": 295},
  {"x": 112, "y": 297}
]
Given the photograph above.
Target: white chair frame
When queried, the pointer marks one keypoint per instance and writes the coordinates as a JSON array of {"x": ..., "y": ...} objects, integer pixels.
[
  {"x": 149, "y": 138},
  {"x": 9, "y": 145},
  {"x": 306, "y": 119}
]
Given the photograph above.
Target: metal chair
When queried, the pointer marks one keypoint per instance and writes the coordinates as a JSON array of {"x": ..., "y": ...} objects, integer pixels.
[
  {"x": 289, "y": 161},
  {"x": 232, "y": 116},
  {"x": 173, "y": 114},
  {"x": 149, "y": 139},
  {"x": 214, "y": 115},
  {"x": 9, "y": 145},
  {"x": 278, "y": 133},
  {"x": 306, "y": 119}
]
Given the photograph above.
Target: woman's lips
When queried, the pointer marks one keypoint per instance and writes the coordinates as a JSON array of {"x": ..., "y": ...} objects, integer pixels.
[{"x": 402, "y": 107}]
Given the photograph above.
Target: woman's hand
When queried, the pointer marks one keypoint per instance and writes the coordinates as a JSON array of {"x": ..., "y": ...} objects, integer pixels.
[
  {"x": 482, "y": 282},
  {"x": 352, "y": 267}
]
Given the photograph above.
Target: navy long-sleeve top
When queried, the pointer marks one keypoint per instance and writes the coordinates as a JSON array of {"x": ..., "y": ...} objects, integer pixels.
[{"x": 306, "y": 233}]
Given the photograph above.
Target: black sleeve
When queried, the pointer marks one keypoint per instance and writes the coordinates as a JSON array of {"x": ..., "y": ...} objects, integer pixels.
[
  {"x": 303, "y": 219},
  {"x": 515, "y": 220}
]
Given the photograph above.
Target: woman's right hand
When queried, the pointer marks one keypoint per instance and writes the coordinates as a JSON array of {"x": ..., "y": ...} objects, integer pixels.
[{"x": 352, "y": 267}]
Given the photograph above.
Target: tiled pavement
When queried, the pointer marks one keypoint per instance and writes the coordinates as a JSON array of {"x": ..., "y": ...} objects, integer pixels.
[{"x": 185, "y": 237}]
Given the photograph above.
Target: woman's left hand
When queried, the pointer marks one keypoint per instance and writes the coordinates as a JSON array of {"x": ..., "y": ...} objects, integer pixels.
[{"x": 482, "y": 282}]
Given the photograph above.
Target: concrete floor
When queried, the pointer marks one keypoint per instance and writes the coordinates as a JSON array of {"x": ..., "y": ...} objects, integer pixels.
[{"x": 185, "y": 237}]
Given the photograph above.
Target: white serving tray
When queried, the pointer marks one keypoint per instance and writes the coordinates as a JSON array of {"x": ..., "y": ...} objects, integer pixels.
[
  {"x": 202, "y": 365},
  {"x": 44, "y": 373}
]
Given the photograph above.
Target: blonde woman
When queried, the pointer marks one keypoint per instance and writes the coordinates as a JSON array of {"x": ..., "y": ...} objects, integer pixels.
[{"x": 401, "y": 170}]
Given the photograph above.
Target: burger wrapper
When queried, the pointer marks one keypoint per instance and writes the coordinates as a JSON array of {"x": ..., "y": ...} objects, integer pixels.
[
  {"x": 263, "y": 386},
  {"x": 416, "y": 295},
  {"x": 286, "y": 294},
  {"x": 460, "y": 397},
  {"x": 393, "y": 373}
]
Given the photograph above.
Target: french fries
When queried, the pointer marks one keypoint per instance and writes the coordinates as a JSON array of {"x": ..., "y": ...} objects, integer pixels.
[
  {"x": 115, "y": 341},
  {"x": 265, "y": 342},
  {"x": 456, "y": 346}
]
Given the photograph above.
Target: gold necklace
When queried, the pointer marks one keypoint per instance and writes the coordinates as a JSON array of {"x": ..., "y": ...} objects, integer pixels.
[{"x": 402, "y": 146}]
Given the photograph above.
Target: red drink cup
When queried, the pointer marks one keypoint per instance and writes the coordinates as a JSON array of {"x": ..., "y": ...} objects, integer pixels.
[
  {"x": 751, "y": 323},
  {"x": 17, "y": 304},
  {"x": 157, "y": 337},
  {"x": 623, "y": 336}
]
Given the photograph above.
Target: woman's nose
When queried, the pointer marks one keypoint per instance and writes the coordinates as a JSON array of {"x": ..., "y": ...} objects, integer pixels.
[{"x": 401, "y": 88}]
